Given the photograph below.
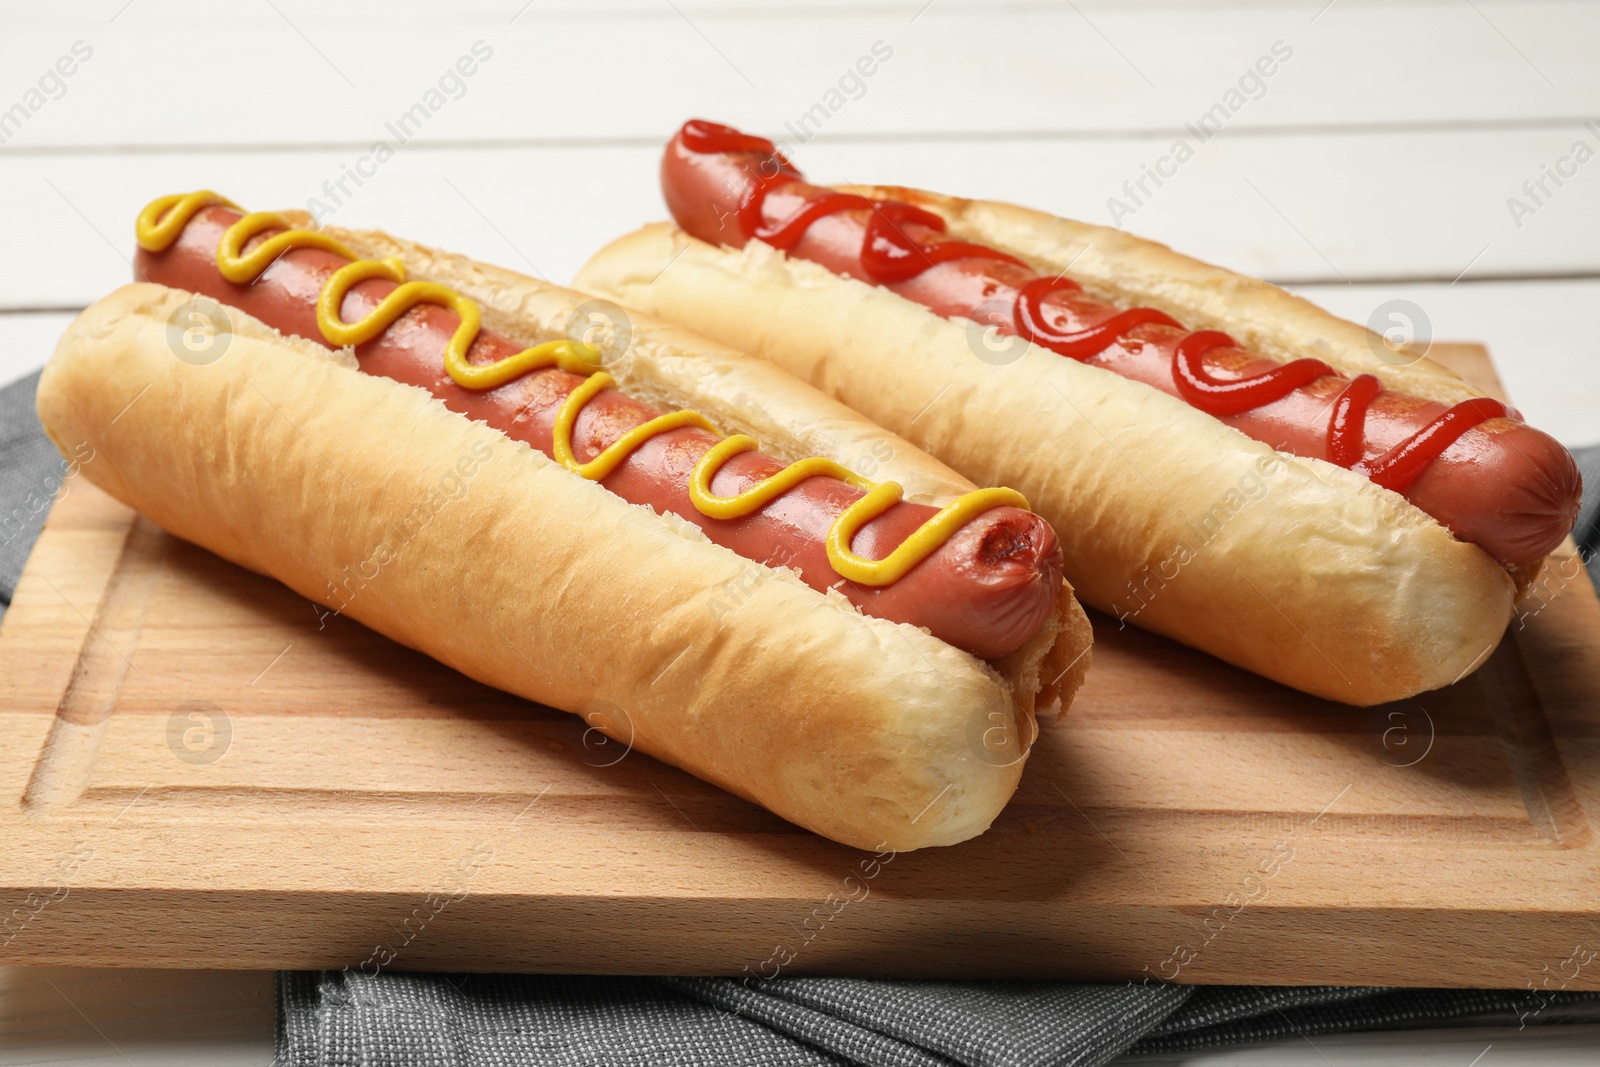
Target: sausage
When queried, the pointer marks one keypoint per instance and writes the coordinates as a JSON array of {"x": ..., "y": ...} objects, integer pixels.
[
  {"x": 986, "y": 590},
  {"x": 1502, "y": 485}
]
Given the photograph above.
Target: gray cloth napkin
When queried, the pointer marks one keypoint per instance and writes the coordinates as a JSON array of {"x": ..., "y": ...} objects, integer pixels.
[
  {"x": 30, "y": 473},
  {"x": 434, "y": 1020},
  {"x": 455, "y": 1020}
]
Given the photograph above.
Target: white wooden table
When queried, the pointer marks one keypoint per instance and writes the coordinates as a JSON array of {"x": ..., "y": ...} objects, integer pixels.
[{"x": 1383, "y": 160}]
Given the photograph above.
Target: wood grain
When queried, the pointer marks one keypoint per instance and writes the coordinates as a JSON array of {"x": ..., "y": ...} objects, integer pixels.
[{"x": 263, "y": 790}]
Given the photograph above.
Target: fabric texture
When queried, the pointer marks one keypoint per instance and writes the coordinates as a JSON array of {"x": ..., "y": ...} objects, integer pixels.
[
  {"x": 1219, "y": 1016},
  {"x": 354, "y": 1019},
  {"x": 1586, "y": 531},
  {"x": 30, "y": 473},
  {"x": 468, "y": 1020}
]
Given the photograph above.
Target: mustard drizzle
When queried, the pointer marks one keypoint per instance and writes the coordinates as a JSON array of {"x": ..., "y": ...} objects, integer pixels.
[{"x": 163, "y": 220}]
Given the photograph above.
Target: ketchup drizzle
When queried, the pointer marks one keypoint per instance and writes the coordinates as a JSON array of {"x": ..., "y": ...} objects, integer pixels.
[
  {"x": 701, "y": 135},
  {"x": 786, "y": 233},
  {"x": 888, "y": 255},
  {"x": 1400, "y": 466},
  {"x": 1349, "y": 418},
  {"x": 1238, "y": 395},
  {"x": 749, "y": 213},
  {"x": 1078, "y": 344}
]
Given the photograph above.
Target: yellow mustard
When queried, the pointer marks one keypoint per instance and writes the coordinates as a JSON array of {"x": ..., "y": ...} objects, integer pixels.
[{"x": 163, "y": 220}]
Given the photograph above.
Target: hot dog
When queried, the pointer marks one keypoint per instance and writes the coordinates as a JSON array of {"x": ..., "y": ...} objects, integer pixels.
[
  {"x": 987, "y": 589},
  {"x": 1495, "y": 481},
  {"x": 1099, "y": 301},
  {"x": 819, "y": 674}
]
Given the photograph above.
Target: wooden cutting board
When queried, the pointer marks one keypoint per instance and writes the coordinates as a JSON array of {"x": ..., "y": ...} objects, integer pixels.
[{"x": 199, "y": 772}]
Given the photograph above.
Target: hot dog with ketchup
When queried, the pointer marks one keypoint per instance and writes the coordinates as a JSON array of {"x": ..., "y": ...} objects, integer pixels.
[
  {"x": 1296, "y": 380},
  {"x": 824, "y": 643},
  {"x": 1493, "y": 480}
]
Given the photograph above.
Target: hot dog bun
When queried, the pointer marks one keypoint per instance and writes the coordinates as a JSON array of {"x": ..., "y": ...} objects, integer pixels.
[
  {"x": 1293, "y": 568},
  {"x": 283, "y": 458}
]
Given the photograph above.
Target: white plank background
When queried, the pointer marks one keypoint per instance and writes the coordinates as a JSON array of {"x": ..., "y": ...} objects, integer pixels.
[{"x": 1375, "y": 164}]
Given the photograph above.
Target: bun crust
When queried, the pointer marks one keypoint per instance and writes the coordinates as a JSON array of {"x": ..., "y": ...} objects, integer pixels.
[
  {"x": 1293, "y": 568},
  {"x": 479, "y": 551}
]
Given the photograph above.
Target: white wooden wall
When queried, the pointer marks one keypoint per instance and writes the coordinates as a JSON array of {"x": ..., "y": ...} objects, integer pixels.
[{"x": 1375, "y": 164}]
